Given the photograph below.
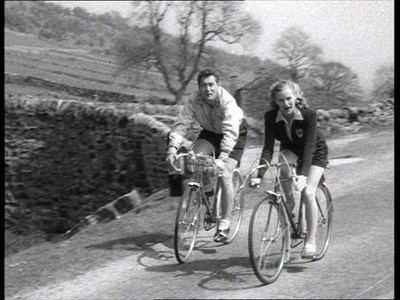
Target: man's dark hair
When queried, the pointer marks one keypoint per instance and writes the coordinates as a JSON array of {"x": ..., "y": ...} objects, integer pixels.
[{"x": 205, "y": 73}]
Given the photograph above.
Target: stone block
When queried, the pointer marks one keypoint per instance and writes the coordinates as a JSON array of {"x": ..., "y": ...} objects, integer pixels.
[{"x": 323, "y": 114}]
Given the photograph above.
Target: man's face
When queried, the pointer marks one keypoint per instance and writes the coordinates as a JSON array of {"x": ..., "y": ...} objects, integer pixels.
[{"x": 209, "y": 88}]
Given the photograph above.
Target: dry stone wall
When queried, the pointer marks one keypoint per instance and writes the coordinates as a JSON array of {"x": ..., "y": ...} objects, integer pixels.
[
  {"x": 352, "y": 119},
  {"x": 64, "y": 159}
]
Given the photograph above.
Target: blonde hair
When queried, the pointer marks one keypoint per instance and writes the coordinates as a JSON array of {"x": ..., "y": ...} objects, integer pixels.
[{"x": 278, "y": 86}]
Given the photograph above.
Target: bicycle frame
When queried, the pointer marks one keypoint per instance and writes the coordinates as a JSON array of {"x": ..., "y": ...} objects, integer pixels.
[
  {"x": 278, "y": 193},
  {"x": 207, "y": 211},
  {"x": 273, "y": 230},
  {"x": 197, "y": 181}
]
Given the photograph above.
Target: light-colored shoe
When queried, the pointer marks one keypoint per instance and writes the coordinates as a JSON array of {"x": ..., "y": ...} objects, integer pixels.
[
  {"x": 309, "y": 250},
  {"x": 221, "y": 235}
]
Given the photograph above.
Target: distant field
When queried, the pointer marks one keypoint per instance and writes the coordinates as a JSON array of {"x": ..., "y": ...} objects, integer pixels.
[
  {"x": 26, "y": 54},
  {"x": 12, "y": 38}
]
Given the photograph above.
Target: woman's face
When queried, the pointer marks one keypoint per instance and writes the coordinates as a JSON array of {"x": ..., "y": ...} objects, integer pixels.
[{"x": 286, "y": 101}]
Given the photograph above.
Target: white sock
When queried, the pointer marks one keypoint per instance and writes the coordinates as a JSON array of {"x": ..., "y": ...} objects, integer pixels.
[
  {"x": 310, "y": 241},
  {"x": 223, "y": 224}
]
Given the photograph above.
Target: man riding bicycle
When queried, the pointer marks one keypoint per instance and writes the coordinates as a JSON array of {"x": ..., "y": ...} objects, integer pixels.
[{"x": 224, "y": 133}]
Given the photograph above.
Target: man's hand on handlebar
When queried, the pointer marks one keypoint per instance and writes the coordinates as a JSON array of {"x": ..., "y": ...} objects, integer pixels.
[
  {"x": 220, "y": 161},
  {"x": 220, "y": 164},
  {"x": 171, "y": 157}
]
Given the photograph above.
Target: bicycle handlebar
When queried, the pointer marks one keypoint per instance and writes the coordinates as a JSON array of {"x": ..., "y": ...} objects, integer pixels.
[
  {"x": 267, "y": 165},
  {"x": 177, "y": 169},
  {"x": 197, "y": 155},
  {"x": 197, "y": 158}
]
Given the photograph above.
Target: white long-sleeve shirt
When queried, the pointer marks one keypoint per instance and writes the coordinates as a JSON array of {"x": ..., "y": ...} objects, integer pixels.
[{"x": 222, "y": 117}]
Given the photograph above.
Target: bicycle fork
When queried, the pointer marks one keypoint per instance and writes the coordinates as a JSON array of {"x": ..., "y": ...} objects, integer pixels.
[
  {"x": 285, "y": 230},
  {"x": 210, "y": 211}
]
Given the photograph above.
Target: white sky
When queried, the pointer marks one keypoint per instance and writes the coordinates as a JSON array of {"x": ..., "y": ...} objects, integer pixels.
[{"x": 357, "y": 33}]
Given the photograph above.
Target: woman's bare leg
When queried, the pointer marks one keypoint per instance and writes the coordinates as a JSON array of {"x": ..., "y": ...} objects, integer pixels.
[{"x": 310, "y": 204}]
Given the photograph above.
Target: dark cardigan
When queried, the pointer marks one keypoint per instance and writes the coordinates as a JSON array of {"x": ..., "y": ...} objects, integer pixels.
[{"x": 305, "y": 137}]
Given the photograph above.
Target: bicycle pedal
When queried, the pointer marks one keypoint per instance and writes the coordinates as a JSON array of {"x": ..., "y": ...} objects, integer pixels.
[
  {"x": 208, "y": 227},
  {"x": 294, "y": 244},
  {"x": 209, "y": 222}
]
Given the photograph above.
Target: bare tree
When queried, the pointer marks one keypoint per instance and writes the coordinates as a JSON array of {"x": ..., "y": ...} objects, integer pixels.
[
  {"x": 383, "y": 82},
  {"x": 338, "y": 83},
  {"x": 297, "y": 52},
  {"x": 178, "y": 58}
]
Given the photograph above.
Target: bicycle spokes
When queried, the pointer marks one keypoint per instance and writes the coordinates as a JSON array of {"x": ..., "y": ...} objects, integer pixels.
[
  {"x": 268, "y": 237},
  {"x": 186, "y": 225},
  {"x": 237, "y": 208},
  {"x": 325, "y": 207}
]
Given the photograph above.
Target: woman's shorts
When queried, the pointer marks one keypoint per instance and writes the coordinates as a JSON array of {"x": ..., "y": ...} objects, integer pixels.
[
  {"x": 215, "y": 140},
  {"x": 320, "y": 157}
]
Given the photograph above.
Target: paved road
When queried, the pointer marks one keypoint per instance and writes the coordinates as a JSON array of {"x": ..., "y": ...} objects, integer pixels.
[{"x": 359, "y": 262}]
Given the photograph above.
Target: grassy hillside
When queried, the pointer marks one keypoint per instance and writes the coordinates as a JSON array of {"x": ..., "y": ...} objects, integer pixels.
[
  {"x": 27, "y": 54},
  {"x": 73, "y": 46}
]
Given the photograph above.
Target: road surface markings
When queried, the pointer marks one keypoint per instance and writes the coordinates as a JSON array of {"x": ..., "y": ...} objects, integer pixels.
[
  {"x": 342, "y": 161},
  {"x": 375, "y": 284}
]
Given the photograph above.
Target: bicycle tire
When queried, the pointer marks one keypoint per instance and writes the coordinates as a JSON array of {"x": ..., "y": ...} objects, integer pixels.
[
  {"x": 217, "y": 202},
  {"x": 267, "y": 216},
  {"x": 186, "y": 223},
  {"x": 324, "y": 225},
  {"x": 237, "y": 206}
]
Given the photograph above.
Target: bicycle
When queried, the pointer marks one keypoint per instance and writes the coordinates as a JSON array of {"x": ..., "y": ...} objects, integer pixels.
[
  {"x": 273, "y": 231},
  {"x": 196, "y": 211}
]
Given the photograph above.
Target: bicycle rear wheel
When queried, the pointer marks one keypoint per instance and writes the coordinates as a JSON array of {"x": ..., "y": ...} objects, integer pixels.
[
  {"x": 268, "y": 238},
  {"x": 237, "y": 206},
  {"x": 324, "y": 225},
  {"x": 186, "y": 224}
]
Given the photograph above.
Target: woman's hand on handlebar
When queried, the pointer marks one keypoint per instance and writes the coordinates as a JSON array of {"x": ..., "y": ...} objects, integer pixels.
[{"x": 300, "y": 182}]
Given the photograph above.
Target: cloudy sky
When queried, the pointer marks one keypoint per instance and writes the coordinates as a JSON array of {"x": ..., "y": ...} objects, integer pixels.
[{"x": 358, "y": 33}]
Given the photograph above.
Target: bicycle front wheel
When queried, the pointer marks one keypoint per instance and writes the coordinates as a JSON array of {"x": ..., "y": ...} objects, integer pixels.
[
  {"x": 268, "y": 238},
  {"x": 324, "y": 224},
  {"x": 186, "y": 224},
  {"x": 237, "y": 206}
]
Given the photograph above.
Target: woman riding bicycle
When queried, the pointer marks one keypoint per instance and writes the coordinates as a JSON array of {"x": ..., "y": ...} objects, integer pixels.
[{"x": 295, "y": 125}]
